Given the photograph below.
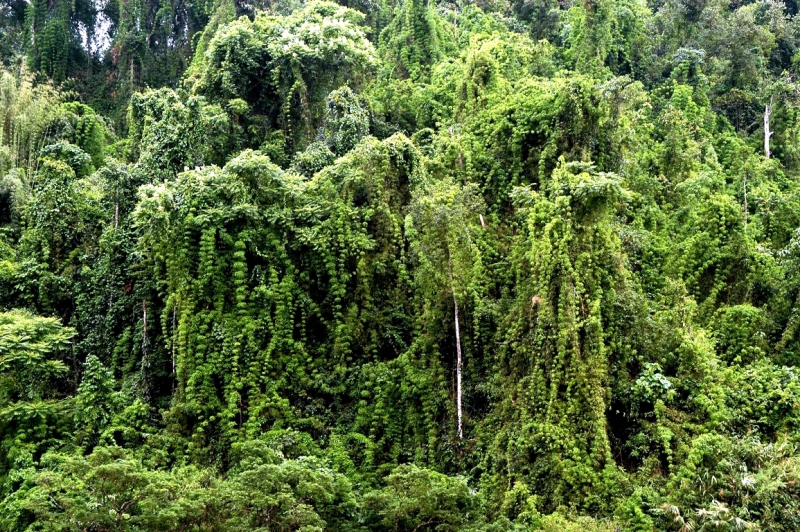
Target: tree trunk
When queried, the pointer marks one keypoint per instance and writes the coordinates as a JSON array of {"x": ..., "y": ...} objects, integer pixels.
[
  {"x": 144, "y": 323},
  {"x": 458, "y": 367},
  {"x": 767, "y": 132},
  {"x": 458, "y": 347}
]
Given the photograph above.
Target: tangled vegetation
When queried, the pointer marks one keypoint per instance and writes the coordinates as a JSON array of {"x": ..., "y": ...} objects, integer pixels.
[{"x": 400, "y": 266}]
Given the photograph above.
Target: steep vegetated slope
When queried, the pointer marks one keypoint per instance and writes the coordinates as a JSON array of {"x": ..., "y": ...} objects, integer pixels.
[{"x": 401, "y": 266}]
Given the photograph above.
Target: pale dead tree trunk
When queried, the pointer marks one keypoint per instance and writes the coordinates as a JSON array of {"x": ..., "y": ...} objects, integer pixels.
[
  {"x": 767, "y": 132},
  {"x": 145, "y": 343},
  {"x": 458, "y": 352}
]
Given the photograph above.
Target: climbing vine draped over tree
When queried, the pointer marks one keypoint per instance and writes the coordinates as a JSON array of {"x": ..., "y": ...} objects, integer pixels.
[
  {"x": 554, "y": 370},
  {"x": 353, "y": 266}
]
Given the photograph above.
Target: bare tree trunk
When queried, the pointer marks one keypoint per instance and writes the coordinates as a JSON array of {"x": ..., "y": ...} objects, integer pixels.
[
  {"x": 145, "y": 343},
  {"x": 458, "y": 347},
  {"x": 767, "y": 132},
  {"x": 458, "y": 368}
]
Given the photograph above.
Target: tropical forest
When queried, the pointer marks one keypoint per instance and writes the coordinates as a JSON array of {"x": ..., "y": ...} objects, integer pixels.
[{"x": 399, "y": 265}]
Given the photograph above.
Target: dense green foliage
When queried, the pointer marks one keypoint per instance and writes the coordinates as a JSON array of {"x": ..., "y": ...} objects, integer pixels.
[{"x": 401, "y": 266}]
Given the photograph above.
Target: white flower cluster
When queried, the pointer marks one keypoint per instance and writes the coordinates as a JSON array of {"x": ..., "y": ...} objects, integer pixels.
[{"x": 331, "y": 39}]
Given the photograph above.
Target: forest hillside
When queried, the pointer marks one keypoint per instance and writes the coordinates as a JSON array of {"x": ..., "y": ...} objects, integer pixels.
[{"x": 399, "y": 265}]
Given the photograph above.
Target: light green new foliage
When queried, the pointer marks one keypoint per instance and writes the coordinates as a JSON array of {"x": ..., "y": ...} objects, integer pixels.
[
  {"x": 30, "y": 414},
  {"x": 25, "y": 345},
  {"x": 26, "y": 110}
]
